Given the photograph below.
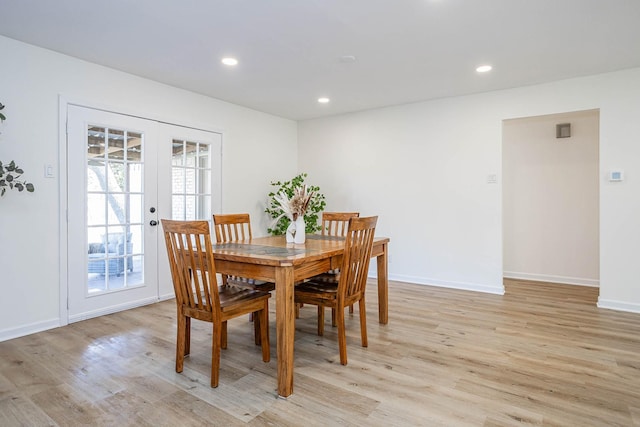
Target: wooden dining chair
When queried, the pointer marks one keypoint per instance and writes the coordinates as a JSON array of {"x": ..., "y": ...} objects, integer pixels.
[
  {"x": 335, "y": 224},
  {"x": 199, "y": 297},
  {"x": 231, "y": 228},
  {"x": 351, "y": 284}
]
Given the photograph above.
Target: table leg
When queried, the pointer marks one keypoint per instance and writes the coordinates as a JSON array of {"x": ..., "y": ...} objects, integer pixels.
[
  {"x": 383, "y": 286},
  {"x": 285, "y": 329}
]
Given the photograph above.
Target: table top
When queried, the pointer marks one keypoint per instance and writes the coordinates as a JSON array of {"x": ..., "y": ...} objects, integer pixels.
[{"x": 274, "y": 250}]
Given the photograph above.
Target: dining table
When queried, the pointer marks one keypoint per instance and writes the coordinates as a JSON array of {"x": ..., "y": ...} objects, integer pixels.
[{"x": 271, "y": 258}]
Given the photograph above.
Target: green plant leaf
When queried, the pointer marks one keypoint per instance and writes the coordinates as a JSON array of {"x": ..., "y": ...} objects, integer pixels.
[{"x": 10, "y": 174}]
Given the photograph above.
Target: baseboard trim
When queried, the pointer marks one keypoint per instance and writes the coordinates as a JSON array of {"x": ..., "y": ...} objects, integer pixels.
[
  {"x": 488, "y": 289},
  {"x": 618, "y": 305},
  {"x": 112, "y": 309},
  {"x": 166, "y": 296},
  {"x": 9, "y": 334},
  {"x": 552, "y": 279}
]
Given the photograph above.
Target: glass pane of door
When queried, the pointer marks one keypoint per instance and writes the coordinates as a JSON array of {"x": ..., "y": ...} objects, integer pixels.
[
  {"x": 191, "y": 180},
  {"x": 115, "y": 172}
]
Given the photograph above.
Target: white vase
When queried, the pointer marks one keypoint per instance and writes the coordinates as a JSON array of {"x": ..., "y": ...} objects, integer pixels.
[
  {"x": 291, "y": 232},
  {"x": 300, "y": 233}
]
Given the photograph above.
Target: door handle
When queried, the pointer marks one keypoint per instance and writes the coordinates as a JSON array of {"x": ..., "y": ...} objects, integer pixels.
[{"x": 153, "y": 223}]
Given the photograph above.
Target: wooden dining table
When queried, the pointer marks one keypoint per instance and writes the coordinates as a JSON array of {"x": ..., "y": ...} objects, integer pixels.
[{"x": 273, "y": 259}]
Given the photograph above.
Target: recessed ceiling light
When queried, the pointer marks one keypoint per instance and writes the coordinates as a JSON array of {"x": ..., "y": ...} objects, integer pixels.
[
  {"x": 323, "y": 100},
  {"x": 229, "y": 61},
  {"x": 484, "y": 68}
]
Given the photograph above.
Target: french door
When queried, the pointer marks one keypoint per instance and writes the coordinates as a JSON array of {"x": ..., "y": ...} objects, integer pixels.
[{"x": 125, "y": 174}]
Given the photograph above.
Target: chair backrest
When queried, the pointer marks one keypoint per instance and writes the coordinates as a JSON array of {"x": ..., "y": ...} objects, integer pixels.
[
  {"x": 192, "y": 268},
  {"x": 232, "y": 227},
  {"x": 336, "y": 223},
  {"x": 355, "y": 261}
]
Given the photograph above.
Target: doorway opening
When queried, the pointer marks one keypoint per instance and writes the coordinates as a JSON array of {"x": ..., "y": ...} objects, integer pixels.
[{"x": 551, "y": 198}]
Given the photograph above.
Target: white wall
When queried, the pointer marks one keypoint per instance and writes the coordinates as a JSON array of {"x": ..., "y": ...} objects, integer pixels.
[
  {"x": 550, "y": 199},
  {"x": 423, "y": 168},
  {"x": 257, "y": 148}
]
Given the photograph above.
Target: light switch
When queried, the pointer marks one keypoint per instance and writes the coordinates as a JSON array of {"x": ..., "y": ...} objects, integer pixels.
[{"x": 48, "y": 171}]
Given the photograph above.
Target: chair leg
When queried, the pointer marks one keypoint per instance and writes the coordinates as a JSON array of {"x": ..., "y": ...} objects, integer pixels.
[
  {"x": 351, "y": 309},
  {"x": 180, "y": 341},
  {"x": 256, "y": 327},
  {"x": 320, "y": 320},
  {"x": 342, "y": 336},
  {"x": 187, "y": 337},
  {"x": 223, "y": 335},
  {"x": 363, "y": 322},
  {"x": 298, "y": 305},
  {"x": 333, "y": 317},
  {"x": 263, "y": 315},
  {"x": 215, "y": 353}
]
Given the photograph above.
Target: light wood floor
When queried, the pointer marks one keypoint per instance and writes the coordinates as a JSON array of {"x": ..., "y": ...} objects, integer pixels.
[{"x": 539, "y": 355}]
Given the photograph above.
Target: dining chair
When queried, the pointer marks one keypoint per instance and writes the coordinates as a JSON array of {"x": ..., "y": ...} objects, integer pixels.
[
  {"x": 231, "y": 228},
  {"x": 351, "y": 283},
  {"x": 335, "y": 224},
  {"x": 199, "y": 297}
]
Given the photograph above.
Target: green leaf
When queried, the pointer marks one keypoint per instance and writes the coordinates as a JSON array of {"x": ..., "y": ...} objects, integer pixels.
[{"x": 30, "y": 188}]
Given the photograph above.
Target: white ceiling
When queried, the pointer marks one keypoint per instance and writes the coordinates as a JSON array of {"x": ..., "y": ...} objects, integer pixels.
[{"x": 290, "y": 50}]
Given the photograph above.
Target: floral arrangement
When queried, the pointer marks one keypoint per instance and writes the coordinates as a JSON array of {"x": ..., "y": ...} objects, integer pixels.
[
  {"x": 10, "y": 173},
  {"x": 292, "y": 199},
  {"x": 296, "y": 205}
]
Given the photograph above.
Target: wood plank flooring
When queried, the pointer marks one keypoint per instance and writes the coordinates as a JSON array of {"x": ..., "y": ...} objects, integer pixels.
[{"x": 542, "y": 354}]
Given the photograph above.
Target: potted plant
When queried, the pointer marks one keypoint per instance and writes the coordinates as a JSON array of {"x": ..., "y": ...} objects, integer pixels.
[
  {"x": 10, "y": 173},
  {"x": 294, "y": 195}
]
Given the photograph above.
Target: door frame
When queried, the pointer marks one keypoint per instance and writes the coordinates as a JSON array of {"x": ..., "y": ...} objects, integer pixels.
[{"x": 63, "y": 228}]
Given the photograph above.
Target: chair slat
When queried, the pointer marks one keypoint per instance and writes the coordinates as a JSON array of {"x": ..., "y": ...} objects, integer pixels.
[{"x": 336, "y": 223}]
